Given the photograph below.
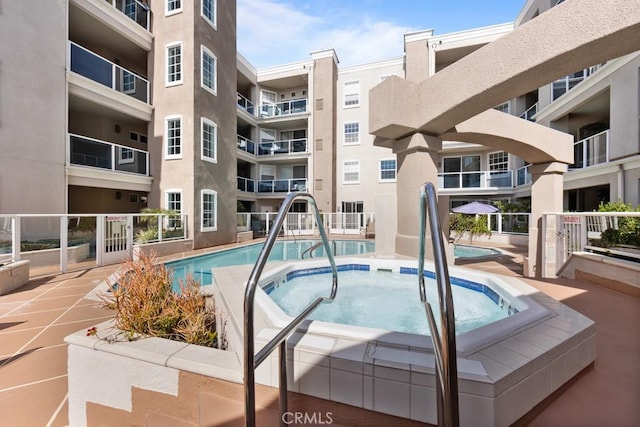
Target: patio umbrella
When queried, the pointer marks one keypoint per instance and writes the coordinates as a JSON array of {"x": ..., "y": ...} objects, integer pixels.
[{"x": 475, "y": 208}]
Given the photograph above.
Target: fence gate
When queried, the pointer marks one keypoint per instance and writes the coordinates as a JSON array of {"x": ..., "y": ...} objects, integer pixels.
[{"x": 118, "y": 239}]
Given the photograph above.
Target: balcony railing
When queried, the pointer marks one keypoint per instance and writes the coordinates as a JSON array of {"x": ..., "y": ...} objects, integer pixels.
[
  {"x": 591, "y": 151},
  {"x": 135, "y": 10},
  {"x": 296, "y": 106},
  {"x": 565, "y": 84},
  {"x": 94, "y": 153},
  {"x": 281, "y": 185},
  {"x": 246, "y": 185},
  {"x": 479, "y": 179},
  {"x": 98, "y": 69},
  {"x": 287, "y": 146},
  {"x": 523, "y": 176},
  {"x": 246, "y": 145},
  {"x": 246, "y": 105},
  {"x": 530, "y": 113}
]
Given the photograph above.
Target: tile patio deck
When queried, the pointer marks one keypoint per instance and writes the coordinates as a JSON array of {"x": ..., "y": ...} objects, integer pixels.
[{"x": 35, "y": 318}]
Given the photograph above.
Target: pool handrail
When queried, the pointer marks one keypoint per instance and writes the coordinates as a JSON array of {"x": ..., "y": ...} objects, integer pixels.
[
  {"x": 444, "y": 340},
  {"x": 252, "y": 360}
]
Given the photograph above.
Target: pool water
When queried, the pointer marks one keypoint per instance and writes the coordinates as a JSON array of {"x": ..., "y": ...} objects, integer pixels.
[
  {"x": 463, "y": 251},
  {"x": 199, "y": 267},
  {"x": 384, "y": 300}
]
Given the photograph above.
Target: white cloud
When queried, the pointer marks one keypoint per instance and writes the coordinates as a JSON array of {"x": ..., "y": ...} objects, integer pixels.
[{"x": 271, "y": 33}]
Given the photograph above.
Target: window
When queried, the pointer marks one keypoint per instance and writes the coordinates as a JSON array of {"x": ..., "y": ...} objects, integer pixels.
[
  {"x": 174, "y": 64},
  {"x": 209, "y": 11},
  {"x": 135, "y": 136},
  {"x": 208, "y": 78},
  {"x": 173, "y": 203},
  {"x": 352, "y": 93},
  {"x": 173, "y": 137},
  {"x": 499, "y": 161},
  {"x": 352, "y": 133},
  {"x": 461, "y": 172},
  {"x": 504, "y": 107},
  {"x": 125, "y": 155},
  {"x": 209, "y": 199},
  {"x": 387, "y": 170},
  {"x": 209, "y": 140},
  {"x": 173, "y": 6},
  {"x": 128, "y": 82},
  {"x": 351, "y": 172}
]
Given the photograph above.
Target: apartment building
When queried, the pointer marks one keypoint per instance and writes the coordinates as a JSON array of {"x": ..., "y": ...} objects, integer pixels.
[{"x": 111, "y": 106}]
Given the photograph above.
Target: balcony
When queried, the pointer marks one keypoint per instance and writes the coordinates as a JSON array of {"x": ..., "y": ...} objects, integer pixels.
[
  {"x": 100, "y": 70},
  {"x": 591, "y": 151},
  {"x": 530, "y": 113},
  {"x": 479, "y": 179},
  {"x": 523, "y": 176},
  {"x": 246, "y": 145},
  {"x": 94, "y": 153},
  {"x": 135, "y": 10},
  {"x": 246, "y": 105},
  {"x": 246, "y": 185},
  {"x": 288, "y": 146},
  {"x": 565, "y": 84},
  {"x": 281, "y": 186},
  {"x": 287, "y": 108}
]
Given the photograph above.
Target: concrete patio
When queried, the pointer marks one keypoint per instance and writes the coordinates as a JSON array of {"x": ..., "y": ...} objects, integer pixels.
[{"x": 35, "y": 318}]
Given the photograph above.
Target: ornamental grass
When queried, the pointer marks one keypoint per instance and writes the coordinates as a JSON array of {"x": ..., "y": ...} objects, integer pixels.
[{"x": 146, "y": 304}]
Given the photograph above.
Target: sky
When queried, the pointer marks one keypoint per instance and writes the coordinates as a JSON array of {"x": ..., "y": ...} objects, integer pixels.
[{"x": 276, "y": 32}]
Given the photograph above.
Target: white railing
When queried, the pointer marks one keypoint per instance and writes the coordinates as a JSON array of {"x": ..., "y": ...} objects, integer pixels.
[
  {"x": 246, "y": 105},
  {"x": 509, "y": 223},
  {"x": 295, "y": 106},
  {"x": 576, "y": 231},
  {"x": 286, "y": 146},
  {"x": 523, "y": 176},
  {"x": 565, "y": 84},
  {"x": 95, "y": 67},
  {"x": 246, "y": 185},
  {"x": 281, "y": 185},
  {"x": 134, "y": 10},
  {"x": 246, "y": 145},
  {"x": 478, "y": 179},
  {"x": 530, "y": 113},
  {"x": 303, "y": 223},
  {"x": 591, "y": 151},
  {"x": 85, "y": 151},
  {"x": 57, "y": 243}
]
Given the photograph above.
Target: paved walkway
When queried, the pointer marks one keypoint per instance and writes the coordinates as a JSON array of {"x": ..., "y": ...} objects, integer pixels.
[{"x": 35, "y": 319}]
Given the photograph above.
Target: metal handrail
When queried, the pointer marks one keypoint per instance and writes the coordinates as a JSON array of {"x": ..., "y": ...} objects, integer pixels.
[
  {"x": 444, "y": 340},
  {"x": 251, "y": 361},
  {"x": 316, "y": 246}
]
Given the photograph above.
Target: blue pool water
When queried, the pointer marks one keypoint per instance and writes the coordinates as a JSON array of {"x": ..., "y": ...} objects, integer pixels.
[
  {"x": 384, "y": 300},
  {"x": 199, "y": 267},
  {"x": 462, "y": 251}
]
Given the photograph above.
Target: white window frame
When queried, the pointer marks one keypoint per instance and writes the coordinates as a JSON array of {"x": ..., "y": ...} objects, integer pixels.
[
  {"x": 167, "y": 81},
  {"x": 489, "y": 164},
  {"x": 214, "y": 11},
  {"x": 122, "y": 159},
  {"x": 214, "y": 212},
  {"x": 351, "y": 134},
  {"x": 166, "y": 199},
  {"x": 214, "y": 79},
  {"x": 214, "y": 149},
  {"x": 166, "y": 137},
  {"x": 124, "y": 82},
  {"x": 347, "y": 92},
  {"x": 168, "y": 12},
  {"x": 380, "y": 170},
  {"x": 356, "y": 165}
]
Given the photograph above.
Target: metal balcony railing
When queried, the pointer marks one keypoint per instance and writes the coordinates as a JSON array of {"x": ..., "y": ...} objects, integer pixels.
[
  {"x": 246, "y": 185},
  {"x": 281, "y": 185},
  {"x": 84, "y": 151},
  {"x": 105, "y": 72},
  {"x": 295, "y": 106},
  {"x": 591, "y": 151},
  {"x": 530, "y": 113},
  {"x": 523, "y": 176},
  {"x": 478, "y": 179},
  {"x": 135, "y": 10},
  {"x": 287, "y": 146},
  {"x": 246, "y": 105},
  {"x": 246, "y": 145}
]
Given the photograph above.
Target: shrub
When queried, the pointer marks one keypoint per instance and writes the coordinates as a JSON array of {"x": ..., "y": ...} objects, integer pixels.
[
  {"x": 146, "y": 304},
  {"x": 472, "y": 224},
  {"x": 628, "y": 228}
]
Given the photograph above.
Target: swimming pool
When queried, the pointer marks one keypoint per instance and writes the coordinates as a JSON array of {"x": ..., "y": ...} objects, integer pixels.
[
  {"x": 199, "y": 267},
  {"x": 386, "y": 300},
  {"x": 464, "y": 251}
]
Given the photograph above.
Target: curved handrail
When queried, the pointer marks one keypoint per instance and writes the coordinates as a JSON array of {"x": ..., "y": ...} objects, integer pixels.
[
  {"x": 444, "y": 340},
  {"x": 251, "y": 361}
]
